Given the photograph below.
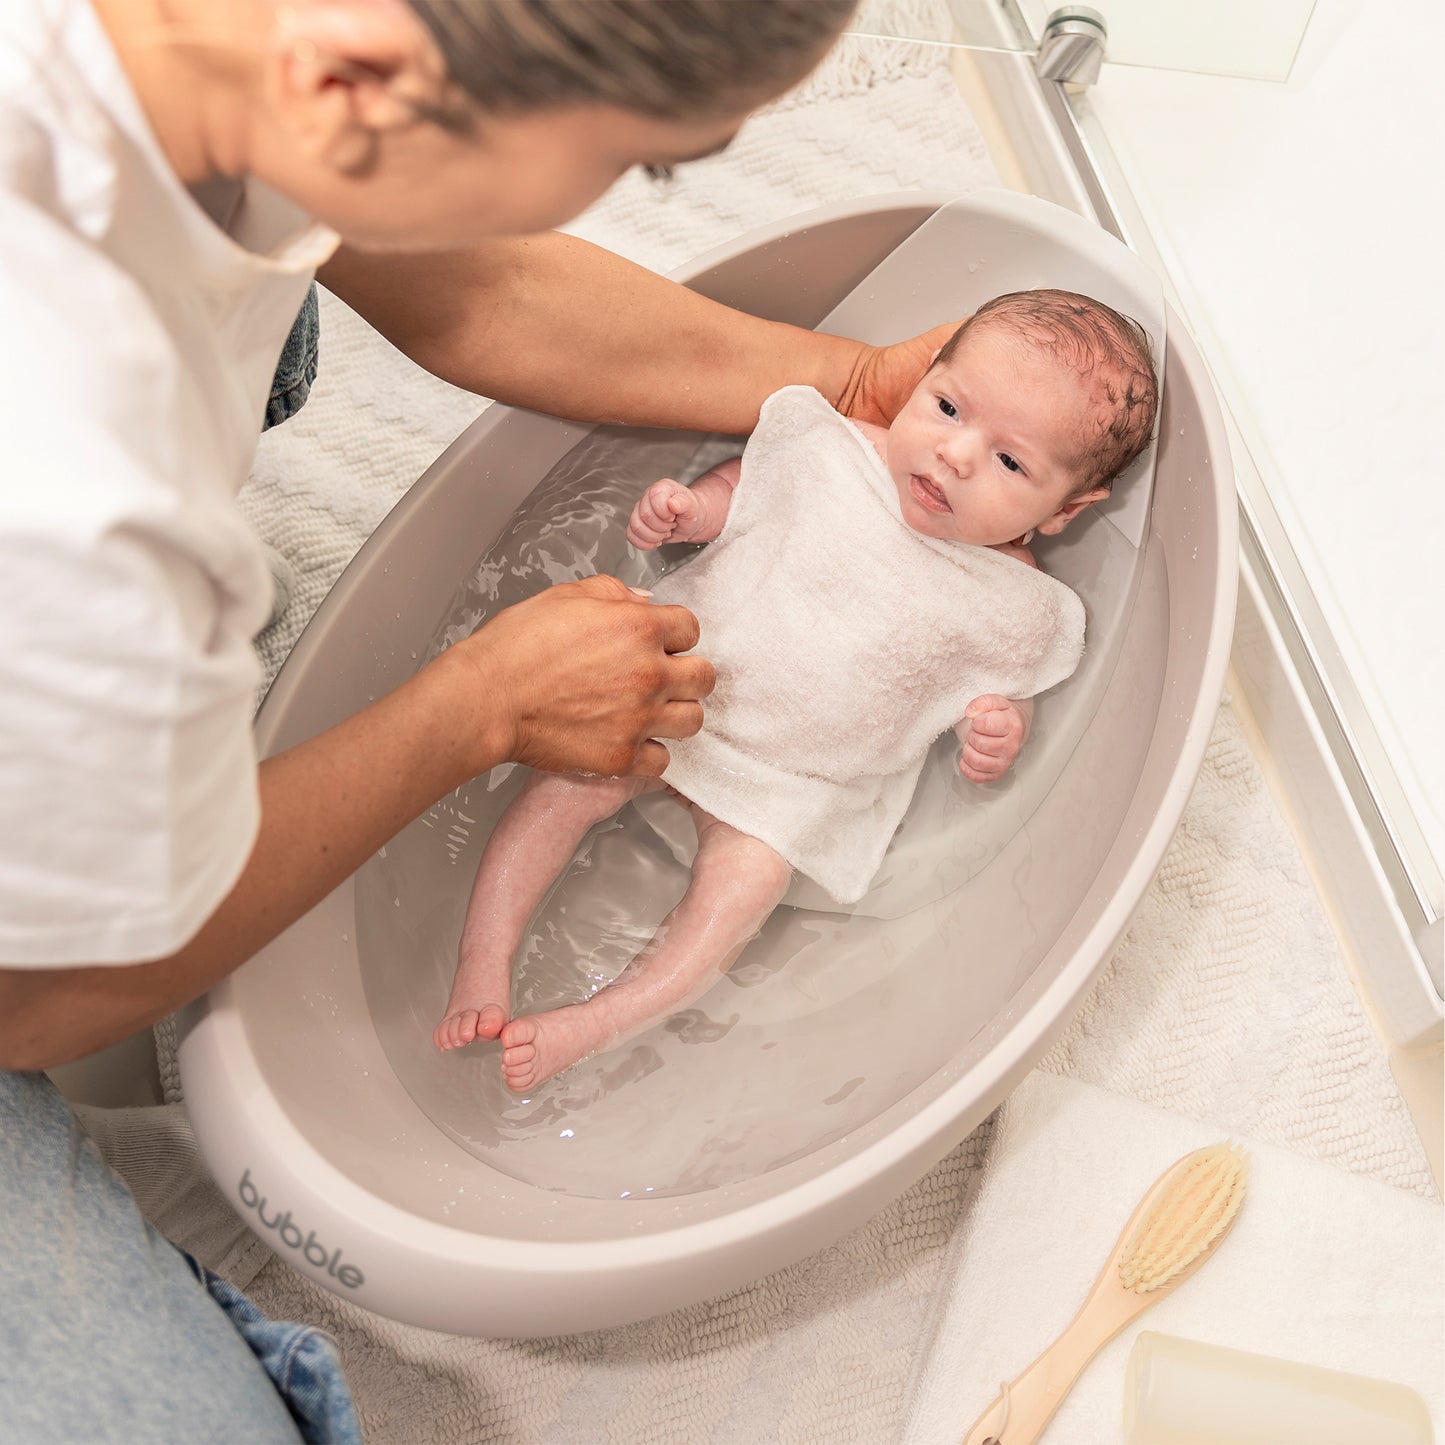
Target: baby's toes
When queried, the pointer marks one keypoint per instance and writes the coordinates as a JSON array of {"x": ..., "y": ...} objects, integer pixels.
[
  {"x": 520, "y": 1034},
  {"x": 456, "y": 1030},
  {"x": 491, "y": 1020}
]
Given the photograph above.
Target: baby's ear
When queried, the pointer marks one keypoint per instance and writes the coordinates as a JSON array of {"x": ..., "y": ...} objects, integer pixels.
[{"x": 1071, "y": 509}]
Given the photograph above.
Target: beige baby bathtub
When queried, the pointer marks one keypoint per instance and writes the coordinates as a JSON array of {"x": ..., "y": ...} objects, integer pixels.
[{"x": 344, "y": 1140}]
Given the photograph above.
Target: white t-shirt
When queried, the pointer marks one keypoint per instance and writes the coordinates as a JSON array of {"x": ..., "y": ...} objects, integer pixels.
[{"x": 137, "y": 346}]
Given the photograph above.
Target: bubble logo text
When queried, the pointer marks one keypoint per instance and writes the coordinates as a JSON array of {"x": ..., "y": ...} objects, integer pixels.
[{"x": 289, "y": 1233}]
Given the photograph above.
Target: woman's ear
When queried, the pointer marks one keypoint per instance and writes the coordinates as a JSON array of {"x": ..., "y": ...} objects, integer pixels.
[
  {"x": 345, "y": 72},
  {"x": 1052, "y": 526}
]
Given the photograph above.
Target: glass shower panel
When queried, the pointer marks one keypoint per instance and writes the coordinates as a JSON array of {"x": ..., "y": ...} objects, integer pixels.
[
  {"x": 973, "y": 24},
  {"x": 1220, "y": 37}
]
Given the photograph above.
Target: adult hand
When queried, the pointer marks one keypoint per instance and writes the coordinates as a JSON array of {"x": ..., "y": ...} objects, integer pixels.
[
  {"x": 883, "y": 376},
  {"x": 584, "y": 678}
]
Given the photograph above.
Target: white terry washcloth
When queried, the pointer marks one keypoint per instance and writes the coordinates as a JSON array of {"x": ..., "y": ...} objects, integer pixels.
[
  {"x": 845, "y": 643},
  {"x": 1321, "y": 1267}
]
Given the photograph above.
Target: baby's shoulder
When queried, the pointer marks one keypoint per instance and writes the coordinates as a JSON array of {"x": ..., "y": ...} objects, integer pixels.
[
  {"x": 1017, "y": 552},
  {"x": 876, "y": 436}
]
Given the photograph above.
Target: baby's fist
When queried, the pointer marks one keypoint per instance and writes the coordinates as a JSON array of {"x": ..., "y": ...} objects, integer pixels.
[
  {"x": 666, "y": 512},
  {"x": 996, "y": 732}
]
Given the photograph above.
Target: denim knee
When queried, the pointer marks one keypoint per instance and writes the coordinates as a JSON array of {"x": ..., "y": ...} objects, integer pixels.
[{"x": 296, "y": 370}]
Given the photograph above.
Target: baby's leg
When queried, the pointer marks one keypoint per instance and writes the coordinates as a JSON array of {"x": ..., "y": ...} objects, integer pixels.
[
  {"x": 736, "y": 883},
  {"x": 533, "y": 842}
]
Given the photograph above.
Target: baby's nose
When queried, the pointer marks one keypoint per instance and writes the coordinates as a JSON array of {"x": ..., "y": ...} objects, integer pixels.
[{"x": 957, "y": 454}]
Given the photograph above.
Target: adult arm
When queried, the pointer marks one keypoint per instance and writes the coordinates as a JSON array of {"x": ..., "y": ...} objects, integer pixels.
[
  {"x": 579, "y": 678},
  {"x": 562, "y": 326}
]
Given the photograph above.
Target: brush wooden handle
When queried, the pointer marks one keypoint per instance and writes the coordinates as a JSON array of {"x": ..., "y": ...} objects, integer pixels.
[{"x": 1039, "y": 1391}]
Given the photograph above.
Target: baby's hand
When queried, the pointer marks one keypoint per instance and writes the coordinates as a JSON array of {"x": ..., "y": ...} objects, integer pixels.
[
  {"x": 997, "y": 729},
  {"x": 666, "y": 512}
]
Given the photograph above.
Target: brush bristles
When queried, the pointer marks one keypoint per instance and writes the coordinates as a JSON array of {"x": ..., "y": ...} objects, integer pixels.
[{"x": 1198, "y": 1204}]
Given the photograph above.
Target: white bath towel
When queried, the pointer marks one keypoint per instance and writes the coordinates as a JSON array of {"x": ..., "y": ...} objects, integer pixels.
[
  {"x": 845, "y": 643},
  {"x": 1321, "y": 1267}
]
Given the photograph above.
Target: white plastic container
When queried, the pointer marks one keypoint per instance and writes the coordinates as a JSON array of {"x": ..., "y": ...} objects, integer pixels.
[{"x": 1181, "y": 1392}]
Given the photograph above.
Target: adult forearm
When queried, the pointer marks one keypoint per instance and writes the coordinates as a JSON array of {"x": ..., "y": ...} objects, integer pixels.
[
  {"x": 583, "y": 677},
  {"x": 326, "y": 806},
  {"x": 559, "y": 325}
]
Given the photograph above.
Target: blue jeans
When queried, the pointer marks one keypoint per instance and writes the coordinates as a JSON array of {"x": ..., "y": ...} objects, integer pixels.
[
  {"x": 296, "y": 370},
  {"x": 110, "y": 1333}
]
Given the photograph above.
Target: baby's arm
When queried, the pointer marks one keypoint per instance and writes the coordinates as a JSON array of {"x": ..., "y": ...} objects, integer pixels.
[
  {"x": 991, "y": 731},
  {"x": 671, "y": 512},
  {"x": 994, "y": 728}
]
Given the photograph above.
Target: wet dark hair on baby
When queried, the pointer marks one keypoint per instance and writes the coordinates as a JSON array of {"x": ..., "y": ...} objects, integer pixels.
[{"x": 1098, "y": 342}]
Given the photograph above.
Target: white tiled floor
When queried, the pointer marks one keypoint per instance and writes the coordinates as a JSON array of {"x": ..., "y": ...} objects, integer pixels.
[{"x": 1307, "y": 220}]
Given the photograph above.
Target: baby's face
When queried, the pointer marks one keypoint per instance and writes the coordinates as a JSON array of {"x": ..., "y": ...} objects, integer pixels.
[{"x": 985, "y": 449}]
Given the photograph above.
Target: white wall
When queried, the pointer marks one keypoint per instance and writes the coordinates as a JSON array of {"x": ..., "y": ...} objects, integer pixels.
[{"x": 1307, "y": 220}]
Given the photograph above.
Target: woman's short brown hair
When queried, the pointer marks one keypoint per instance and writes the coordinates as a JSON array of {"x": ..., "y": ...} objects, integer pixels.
[{"x": 670, "y": 59}]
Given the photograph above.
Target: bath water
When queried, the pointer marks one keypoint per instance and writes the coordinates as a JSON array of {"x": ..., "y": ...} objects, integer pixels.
[{"x": 830, "y": 1016}]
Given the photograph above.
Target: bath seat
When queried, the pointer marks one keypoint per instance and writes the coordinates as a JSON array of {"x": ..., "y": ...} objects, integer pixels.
[{"x": 308, "y": 1076}]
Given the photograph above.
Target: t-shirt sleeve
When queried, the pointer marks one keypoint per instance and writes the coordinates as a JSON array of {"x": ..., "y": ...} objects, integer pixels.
[
  {"x": 126, "y": 761},
  {"x": 129, "y": 589}
]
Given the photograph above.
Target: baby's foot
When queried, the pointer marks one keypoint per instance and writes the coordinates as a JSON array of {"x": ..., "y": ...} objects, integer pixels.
[
  {"x": 463, "y": 1026},
  {"x": 537, "y": 1046}
]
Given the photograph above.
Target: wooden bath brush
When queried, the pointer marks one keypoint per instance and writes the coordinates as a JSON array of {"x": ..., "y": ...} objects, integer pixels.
[{"x": 1176, "y": 1227}]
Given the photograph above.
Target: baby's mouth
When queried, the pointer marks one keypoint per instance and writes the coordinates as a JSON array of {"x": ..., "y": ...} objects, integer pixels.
[{"x": 929, "y": 494}]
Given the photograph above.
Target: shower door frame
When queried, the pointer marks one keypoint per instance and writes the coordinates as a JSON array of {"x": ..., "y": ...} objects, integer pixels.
[{"x": 1350, "y": 814}]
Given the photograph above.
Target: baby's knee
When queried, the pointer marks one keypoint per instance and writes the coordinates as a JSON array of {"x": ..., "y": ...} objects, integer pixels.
[
  {"x": 743, "y": 857},
  {"x": 774, "y": 870},
  {"x": 597, "y": 798},
  {"x": 763, "y": 875}
]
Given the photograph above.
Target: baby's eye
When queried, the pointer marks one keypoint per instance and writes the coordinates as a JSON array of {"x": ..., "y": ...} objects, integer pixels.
[
  {"x": 947, "y": 407},
  {"x": 1009, "y": 462}
]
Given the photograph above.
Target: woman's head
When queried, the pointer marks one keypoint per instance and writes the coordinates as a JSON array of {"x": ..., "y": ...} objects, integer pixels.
[{"x": 419, "y": 124}]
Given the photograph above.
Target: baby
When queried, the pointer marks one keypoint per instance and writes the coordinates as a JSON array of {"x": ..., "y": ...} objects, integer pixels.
[{"x": 867, "y": 589}]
